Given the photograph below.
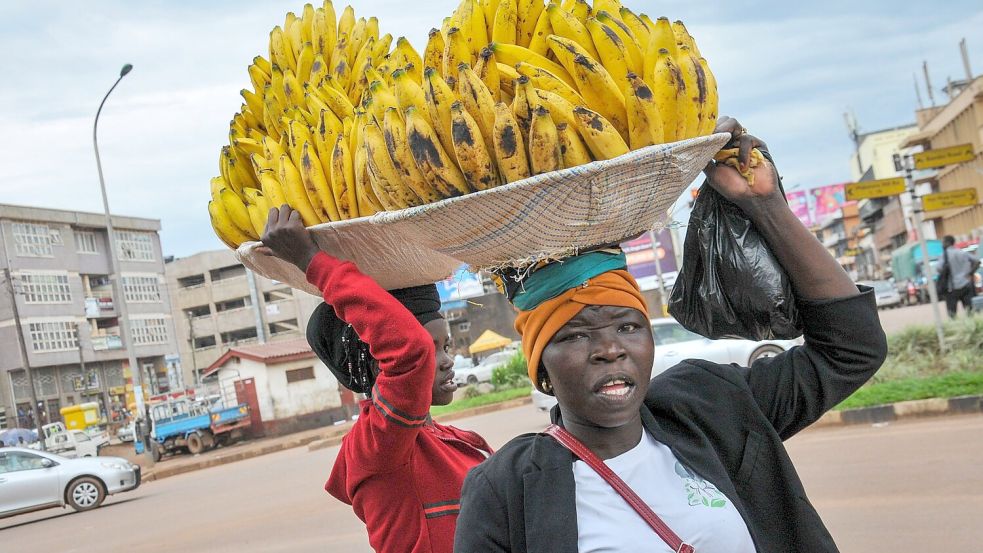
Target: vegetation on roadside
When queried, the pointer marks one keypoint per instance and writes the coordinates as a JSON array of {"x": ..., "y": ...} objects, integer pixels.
[
  {"x": 497, "y": 396},
  {"x": 944, "y": 385}
]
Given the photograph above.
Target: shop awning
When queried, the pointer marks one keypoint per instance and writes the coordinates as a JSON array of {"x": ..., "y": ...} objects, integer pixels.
[{"x": 489, "y": 340}]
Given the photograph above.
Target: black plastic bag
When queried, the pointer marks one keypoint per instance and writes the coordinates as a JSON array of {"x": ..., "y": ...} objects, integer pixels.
[{"x": 730, "y": 284}]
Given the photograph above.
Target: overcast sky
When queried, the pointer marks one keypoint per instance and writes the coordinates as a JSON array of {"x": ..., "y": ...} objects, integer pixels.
[{"x": 788, "y": 72}]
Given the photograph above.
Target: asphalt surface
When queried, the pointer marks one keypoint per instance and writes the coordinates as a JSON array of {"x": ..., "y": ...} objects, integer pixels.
[
  {"x": 896, "y": 319},
  {"x": 905, "y": 487}
]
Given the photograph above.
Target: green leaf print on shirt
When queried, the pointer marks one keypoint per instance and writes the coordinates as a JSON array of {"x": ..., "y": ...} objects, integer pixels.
[{"x": 699, "y": 491}]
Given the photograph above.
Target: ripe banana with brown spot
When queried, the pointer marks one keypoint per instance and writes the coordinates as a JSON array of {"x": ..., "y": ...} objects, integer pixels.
[
  {"x": 394, "y": 132},
  {"x": 669, "y": 89},
  {"x": 644, "y": 124},
  {"x": 508, "y": 145},
  {"x": 544, "y": 143},
  {"x": 431, "y": 159},
  {"x": 594, "y": 83},
  {"x": 473, "y": 156},
  {"x": 602, "y": 139},
  {"x": 572, "y": 148}
]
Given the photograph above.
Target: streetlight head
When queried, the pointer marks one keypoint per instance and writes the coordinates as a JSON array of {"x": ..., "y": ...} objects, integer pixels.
[{"x": 126, "y": 69}]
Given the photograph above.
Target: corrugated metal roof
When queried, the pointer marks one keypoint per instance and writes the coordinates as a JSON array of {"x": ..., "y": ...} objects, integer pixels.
[{"x": 268, "y": 353}]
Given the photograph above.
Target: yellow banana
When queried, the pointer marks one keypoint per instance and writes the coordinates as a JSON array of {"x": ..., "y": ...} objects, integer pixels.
[
  {"x": 683, "y": 38},
  {"x": 567, "y": 26},
  {"x": 296, "y": 193},
  {"x": 263, "y": 65},
  {"x": 644, "y": 124},
  {"x": 237, "y": 212},
  {"x": 471, "y": 20},
  {"x": 258, "y": 77},
  {"x": 439, "y": 97},
  {"x": 365, "y": 201},
  {"x": 347, "y": 21},
  {"x": 248, "y": 146},
  {"x": 709, "y": 114},
  {"x": 254, "y": 101},
  {"x": 510, "y": 54},
  {"x": 226, "y": 231},
  {"x": 307, "y": 22},
  {"x": 669, "y": 89},
  {"x": 613, "y": 54},
  {"x": 409, "y": 93},
  {"x": 509, "y": 148},
  {"x": 527, "y": 14},
  {"x": 456, "y": 52},
  {"x": 435, "y": 165},
  {"x": 324, "y": 30},
  {"x": 545, "y": 80},
  {"x": 660, "y": 37},
  {"x": 613, "y": 7},
  {"x": 560, "y": 109},
  {"x": 304, "y": 62},
  {"x": 489, "y": 7},
  {"x": 335, "y": 99},
  {"x": 319, "y": 70},
  {"x": 394, "y": 132},
  {"x": 272, "y": 188},
  {"x": 507, "y": 77},
  {"x": 383, "y": 176},
  {"x": 259, "y": 163},
  {"x": 602, "y": 139},
  {"x": 522, "y": 105},
  {"x": 543, "y": 29},
  {"x": 695, "y": 97},
  {"x": 572, "y": 149},
  {"x": 341, "y": 69},
  {"x": 487, "y": 70},
  {"x": 316, "y": 182},
  {"x": 473, "y": 156},
  {"x": 343, "y": 179},
  {"x": 281, "y": 53},
  {"x": 544, "y": 143},
  {"x": 433, "y": 54},
  {"x": 257, "y": 217},
  {"x": 216, "y": 184},
  {"x": 356, "y": 39},
  {"x": 505, "y": 28},
  {"x": 293, "y": 38},
  {"x": 578, "y": 8},
  {"x": 594, "y": 83},
  {"x": 405, "y": 55},
  {"x": 477, "y": 100},
  {"x": 639, "y": 29},
  {"x": 635, "y": 57}
]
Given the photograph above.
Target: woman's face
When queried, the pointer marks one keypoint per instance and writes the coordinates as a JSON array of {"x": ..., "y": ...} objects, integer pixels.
[
  {"x": 443, "y": 383},
  {"x": 599, "y": 365}
]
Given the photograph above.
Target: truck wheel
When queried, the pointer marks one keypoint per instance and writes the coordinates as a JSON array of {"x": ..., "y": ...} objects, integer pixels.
[
  {"x": 195, "y": 444},
  {"x": 155, "y": 452},
  {"x": 85, "y": 493},
  {"x": 208, "y": 440}
]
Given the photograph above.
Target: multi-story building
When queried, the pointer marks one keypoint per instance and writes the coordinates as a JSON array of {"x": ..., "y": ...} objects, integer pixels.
[
  {"x": 957, "y": 122},
  {"x": 59, "y": 268},
  {"x": 218, "y": 304}
]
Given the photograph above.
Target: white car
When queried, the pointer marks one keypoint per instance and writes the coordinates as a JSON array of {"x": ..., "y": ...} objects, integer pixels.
[
  {"x": 885, "y": 293},
  {"x": 482, "y": 372},
  {"x": 33, "y": 480},
  {"x": 673, "y": 343}
]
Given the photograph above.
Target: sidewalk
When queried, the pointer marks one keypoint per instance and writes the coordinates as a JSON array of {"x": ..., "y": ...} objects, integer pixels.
[{"x": 321, "y": 438}]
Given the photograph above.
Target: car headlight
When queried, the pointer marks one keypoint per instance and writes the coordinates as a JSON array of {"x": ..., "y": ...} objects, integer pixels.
[{"x": 116, "y": 466}]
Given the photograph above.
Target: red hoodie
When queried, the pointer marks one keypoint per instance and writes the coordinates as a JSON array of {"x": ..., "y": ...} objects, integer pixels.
[{"x": 401, "y": 473}]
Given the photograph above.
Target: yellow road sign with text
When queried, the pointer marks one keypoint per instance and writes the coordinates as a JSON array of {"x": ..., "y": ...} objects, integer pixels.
[
  {"x": 944, "y": 200},
  {"x": 944, "y": 156},
  {"x": 875, "y": 188}
]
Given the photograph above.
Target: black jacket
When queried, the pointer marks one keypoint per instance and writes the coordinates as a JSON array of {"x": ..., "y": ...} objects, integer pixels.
[{"x": 724, "y": 422}]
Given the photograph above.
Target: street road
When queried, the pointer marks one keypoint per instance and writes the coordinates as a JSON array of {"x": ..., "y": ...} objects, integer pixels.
[
  {"x": 894, "y": 320},
  {"x": 904, "y": 487}
]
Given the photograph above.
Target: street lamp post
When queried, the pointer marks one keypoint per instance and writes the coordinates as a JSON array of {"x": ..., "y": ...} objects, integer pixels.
[{"x": 120, "y": 301}]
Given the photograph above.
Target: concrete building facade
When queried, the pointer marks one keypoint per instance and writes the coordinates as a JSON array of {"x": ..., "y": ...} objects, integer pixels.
[
  {"x": 59, "y": 268},
  {"x": 218, "y": 304}
]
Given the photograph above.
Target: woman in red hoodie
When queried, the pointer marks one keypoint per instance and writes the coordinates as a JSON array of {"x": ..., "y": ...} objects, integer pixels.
[{"x": 401, "y": 472}]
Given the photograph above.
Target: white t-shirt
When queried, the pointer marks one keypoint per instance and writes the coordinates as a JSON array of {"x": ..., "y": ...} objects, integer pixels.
[{"x": 695, "y": 510}]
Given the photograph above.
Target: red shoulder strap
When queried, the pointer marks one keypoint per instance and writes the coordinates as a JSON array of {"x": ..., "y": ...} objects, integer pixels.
[{"x": 581, "y": 451}]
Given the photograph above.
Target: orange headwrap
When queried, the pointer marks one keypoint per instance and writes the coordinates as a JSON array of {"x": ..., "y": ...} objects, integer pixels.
[{"x": 538, "y": 326}]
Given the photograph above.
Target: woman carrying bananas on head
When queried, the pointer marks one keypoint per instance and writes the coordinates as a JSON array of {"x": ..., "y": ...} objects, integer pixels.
[
  {"x": 400, "y": 471},
  {"x": 692, "y": 459}
]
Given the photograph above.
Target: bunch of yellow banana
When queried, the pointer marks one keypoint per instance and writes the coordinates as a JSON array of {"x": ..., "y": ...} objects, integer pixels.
[{"x": 341, "y": 124}]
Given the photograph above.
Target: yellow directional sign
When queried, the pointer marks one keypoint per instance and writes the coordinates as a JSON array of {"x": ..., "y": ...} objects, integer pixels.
[
  {"x": 875, "y": 188},
  {"x": 945, "y": 200},
  {"x": 944, "y": 156}
]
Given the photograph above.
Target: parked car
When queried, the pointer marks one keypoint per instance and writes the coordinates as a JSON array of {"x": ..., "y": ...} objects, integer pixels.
[
  {"x": 673, "y": 343},
  {"x": 127, "y": 432},
  {"x": 885, "y": 293},
  {"x": 71, "y": 443},
  {"x": 33, "y": 480},
  {"x": 482, "y": 372}
]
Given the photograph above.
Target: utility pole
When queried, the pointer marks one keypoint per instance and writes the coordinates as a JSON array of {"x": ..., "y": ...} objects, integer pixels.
[
  {"x": 22, "y": 349},
  {"x": 927, "y": 263},
  {"x": 191, "y": 342},
  {"x": 658, "y": 270}
]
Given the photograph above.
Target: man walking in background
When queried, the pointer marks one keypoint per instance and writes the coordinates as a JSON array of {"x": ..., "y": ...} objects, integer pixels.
[{"x": 958, "y": 268}]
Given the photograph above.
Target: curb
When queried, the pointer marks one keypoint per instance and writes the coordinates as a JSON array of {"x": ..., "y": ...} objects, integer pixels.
[
  {"x": 919, "y": 408},
  {"x": 462, "y": 414}
]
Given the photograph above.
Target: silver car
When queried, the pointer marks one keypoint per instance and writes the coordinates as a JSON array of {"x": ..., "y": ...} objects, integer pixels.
[{"x": 31, "y": 480}]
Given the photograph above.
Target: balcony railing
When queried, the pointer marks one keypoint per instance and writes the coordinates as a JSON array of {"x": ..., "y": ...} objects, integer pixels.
[
  {"x": 107, "y": 342},
  {"x": 99, "y": 306}
]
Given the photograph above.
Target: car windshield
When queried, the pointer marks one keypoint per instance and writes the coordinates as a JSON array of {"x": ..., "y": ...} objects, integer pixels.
[
  {"x": 672, "y": 333},
  {"x": 882, "y": 286}
]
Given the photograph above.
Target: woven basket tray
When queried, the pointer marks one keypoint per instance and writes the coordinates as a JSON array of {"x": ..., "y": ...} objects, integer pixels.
[{"x": 547, "y": 216}]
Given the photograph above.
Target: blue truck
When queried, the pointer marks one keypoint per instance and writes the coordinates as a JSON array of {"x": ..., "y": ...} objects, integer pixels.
[{"x": 196, "y": 425}]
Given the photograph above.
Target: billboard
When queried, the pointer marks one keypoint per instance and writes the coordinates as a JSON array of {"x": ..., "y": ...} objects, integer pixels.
[
  {"x": 816, "y": 206},
  {"x": 641, "y": 256}
]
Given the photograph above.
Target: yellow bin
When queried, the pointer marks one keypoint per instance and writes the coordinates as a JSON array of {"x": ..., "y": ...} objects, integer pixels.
[{"x": 81, "y": 416}]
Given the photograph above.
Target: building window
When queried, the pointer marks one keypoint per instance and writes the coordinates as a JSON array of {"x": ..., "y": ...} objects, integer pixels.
[
  {"x": 192, "y": 281},
  {"x": 3, "y": 418},
  {"x": 85, "y": 241},
  {"x": 135, "y": 246},
  {"x": 297, "y": 375},
  {"x": 148, "y": 331},
  {"x": 141, "y": 289},
  {"x": 32, "y": 240},
  {"x": 45, "y": 288},
  {"x": 53, "y": 336},
  {"x": 204, "y": 342}
]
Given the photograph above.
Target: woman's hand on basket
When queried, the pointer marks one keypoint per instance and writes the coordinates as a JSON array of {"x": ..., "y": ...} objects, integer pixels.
[
  {"x": 286, "y": 237},
  {"x": 729, "y": 182}
]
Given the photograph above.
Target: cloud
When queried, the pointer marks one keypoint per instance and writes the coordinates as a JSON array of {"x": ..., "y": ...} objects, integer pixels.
[{"x": 787, "y": 71}]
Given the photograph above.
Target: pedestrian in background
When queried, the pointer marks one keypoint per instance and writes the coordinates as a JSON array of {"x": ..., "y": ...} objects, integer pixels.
[
  {"x": 956, "y": 277},
  {"x": 399, "y": 470}
]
